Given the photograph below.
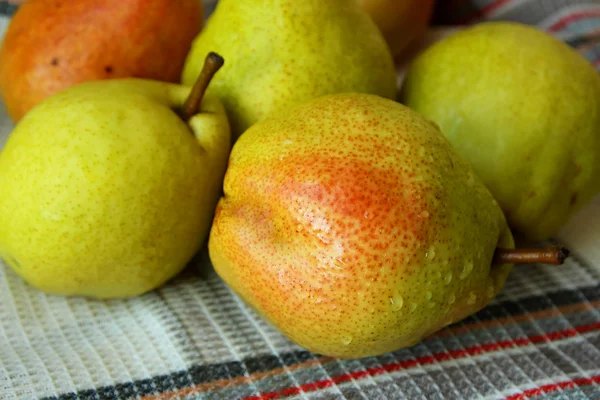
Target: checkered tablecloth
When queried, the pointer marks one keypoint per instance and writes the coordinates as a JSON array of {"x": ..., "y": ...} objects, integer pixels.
[{"x": 193, "y": 338}]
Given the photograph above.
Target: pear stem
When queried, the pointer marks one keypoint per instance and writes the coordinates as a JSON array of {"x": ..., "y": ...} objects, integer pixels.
[
  {"x": 552, "y": 255},
  {"x": 212, "y": 64}
]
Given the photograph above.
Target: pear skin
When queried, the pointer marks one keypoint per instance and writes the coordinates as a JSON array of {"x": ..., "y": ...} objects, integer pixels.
[
  {"x": 352, "y": 225},
  {"x": 107, "y": 192},
  {"x": 51, "y": 45},
  {"x": 523, "y": 108},
  {"x": 283, "y": 52},
  {"x": 402, "y": 22}
]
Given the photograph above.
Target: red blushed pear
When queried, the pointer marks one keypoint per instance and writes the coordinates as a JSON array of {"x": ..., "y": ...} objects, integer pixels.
[
  {"x": 352, "y": 225},
  {"x": 51, "y": 45}
]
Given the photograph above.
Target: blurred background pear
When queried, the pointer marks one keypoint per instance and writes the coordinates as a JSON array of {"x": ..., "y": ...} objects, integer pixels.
[
  {"x": 284, "y": 52},
  {"x": 523, "y": 108},
  {"x": 51, "y": 45},
  {"x": 402, "y": 22}
]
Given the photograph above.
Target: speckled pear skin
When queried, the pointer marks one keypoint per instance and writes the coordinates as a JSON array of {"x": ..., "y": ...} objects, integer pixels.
[
  {"x": 524, "y": 109},
  {"x": 281, "y": 53},
  {"x": 352, "y": 225},
  {"x": 106, "y": 192}
]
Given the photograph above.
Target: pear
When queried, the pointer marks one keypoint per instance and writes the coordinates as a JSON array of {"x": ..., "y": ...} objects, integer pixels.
[
  {"x": 352, "y": 225},
  {"x": 402, "y": 22},
  {"x": 524, "y": 109},
  {"x": 106, "y": 191},
  {"x": 50, "y": 45},
  {"x": 283, "y": 52}
]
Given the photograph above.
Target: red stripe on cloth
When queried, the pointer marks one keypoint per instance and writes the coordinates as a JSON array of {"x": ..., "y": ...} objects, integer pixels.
[
  {"x": 576, "y": 16},
  {"x": 451, "y": 355},
  {"x": 493, "y": 6},
  {"x": 554, "y": 387}
]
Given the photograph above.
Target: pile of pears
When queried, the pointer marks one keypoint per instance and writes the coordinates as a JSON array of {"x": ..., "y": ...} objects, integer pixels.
[{"x": 355, "y": 218}]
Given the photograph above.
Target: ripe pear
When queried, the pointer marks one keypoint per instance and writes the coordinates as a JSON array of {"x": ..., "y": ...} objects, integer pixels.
[
  {"x": 402, "y": 22},
  {"x": 51, "y": 45},
  {"x": 106, "y": 191},
  {"x": 524, "y": 109},
  {"x": 352, "y": 225},
  {"x": 283, "y": 52}
]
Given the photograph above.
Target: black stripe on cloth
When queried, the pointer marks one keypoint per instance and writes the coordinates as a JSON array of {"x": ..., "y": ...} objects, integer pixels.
[
  {"x": 7, "y": 9},
  {"x": 196, "y": 375},
  {"x": 535, "y": 303},
  {"x": 201, "y": 374}
]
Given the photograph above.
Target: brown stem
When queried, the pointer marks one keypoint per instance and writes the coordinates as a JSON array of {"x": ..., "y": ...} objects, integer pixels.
[
  {"x": 552, "y": 255},
  {"x": 212, "y": 64}
]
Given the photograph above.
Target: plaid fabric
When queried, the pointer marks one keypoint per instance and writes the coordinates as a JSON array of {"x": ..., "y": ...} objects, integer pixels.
[{"x": 193, "y": 338}]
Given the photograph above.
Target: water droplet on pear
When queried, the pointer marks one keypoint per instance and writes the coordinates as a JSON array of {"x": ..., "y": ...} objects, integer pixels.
[
  {"x": 452, "y": 299},
  {"x": 471, "y": 179},
  {"x": 448, "y": 278},
  {"x": 397, "y": 301},
  {"x": 466, "y": 271},
  {"x": 346, "y": 340},
  {"x": 472, "y": 298},
  {"x": 431, "y": 253}
]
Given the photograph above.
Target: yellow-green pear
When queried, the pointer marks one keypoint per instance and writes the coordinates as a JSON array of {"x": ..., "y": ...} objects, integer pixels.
[
  {"x": 283, "y": 52},
  {"x": 353, "y": 226},
  {"x": 524, "y": 109},
  {"x": 106, "y": 191}
]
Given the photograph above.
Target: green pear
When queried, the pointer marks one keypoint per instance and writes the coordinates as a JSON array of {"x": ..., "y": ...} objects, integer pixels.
[
  {"x": 352, "y": 225},
  {"x": 284, "y": 52},
  {"x": 524, "y": 109},
  {"x": 106, "y": 191}
]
